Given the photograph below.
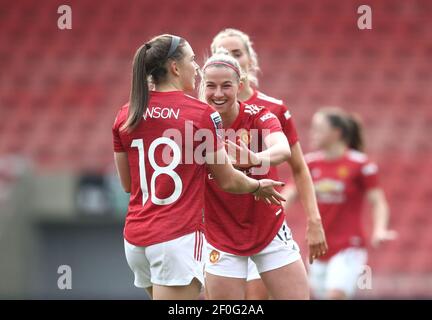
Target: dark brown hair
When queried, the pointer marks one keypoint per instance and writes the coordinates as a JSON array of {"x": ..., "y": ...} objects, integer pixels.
[
  {"x": 349, "y": 124},
  {"x": 150, "y": 61},
  {"x": 355, "y": 138}
]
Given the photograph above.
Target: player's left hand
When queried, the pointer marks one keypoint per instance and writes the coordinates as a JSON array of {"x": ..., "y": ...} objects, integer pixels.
[
  {"x": 316, "y": 240},
  {"x": 267, "y": 192},
  {"x": 380, "y": 236}
]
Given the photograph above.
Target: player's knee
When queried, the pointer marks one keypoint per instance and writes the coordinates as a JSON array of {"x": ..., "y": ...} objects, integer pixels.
[{"x": 256, "y": 290}]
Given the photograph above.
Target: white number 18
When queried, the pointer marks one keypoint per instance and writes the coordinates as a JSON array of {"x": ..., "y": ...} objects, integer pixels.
[{"x": 168, "y": 170}]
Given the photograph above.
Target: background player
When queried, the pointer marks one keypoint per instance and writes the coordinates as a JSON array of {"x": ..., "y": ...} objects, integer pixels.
[
  {"x": 343, "y": 177},
  {"x": 240, "y": 47},
  {"x": 236, "y": 226}
]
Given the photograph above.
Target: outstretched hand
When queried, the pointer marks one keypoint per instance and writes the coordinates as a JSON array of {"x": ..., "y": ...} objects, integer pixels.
[
  {"x": 267, "y": 192},
  {"x": 382, "y": 236}
]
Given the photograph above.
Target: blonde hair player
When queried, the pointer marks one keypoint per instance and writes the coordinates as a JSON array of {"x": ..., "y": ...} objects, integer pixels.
[
  {"x": 240, "y": 47},
  {"x": 237, "y": 227},
  {"x": 343, "y": 177},
  {"x": 163, "y": 231}
]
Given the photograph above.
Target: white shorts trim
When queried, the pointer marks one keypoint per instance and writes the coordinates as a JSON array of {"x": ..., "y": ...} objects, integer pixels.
[
  {"x": 171, "y": 263},
  {"x": 341, "y": 272},
  {"x": 283, "y": 250}
]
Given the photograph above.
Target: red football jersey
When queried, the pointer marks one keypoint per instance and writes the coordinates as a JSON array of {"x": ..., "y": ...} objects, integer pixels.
[
  {"x": 281, "y": 111},
  {"x": 340, "y": 187},
  {"x": 237, "y": 223},
  {"x": 166, "y": 200}
]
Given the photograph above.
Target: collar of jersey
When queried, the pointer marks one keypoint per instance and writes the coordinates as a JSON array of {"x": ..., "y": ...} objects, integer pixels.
[{"x": 167, "y": 92}]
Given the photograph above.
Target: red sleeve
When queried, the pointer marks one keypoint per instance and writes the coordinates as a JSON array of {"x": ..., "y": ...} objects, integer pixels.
[
  {"x": 117, "y": 143},
  {"x": 267, "y": 120},
  {"x": 369, "y": 175},
  {"x": 288, "y": 126}
]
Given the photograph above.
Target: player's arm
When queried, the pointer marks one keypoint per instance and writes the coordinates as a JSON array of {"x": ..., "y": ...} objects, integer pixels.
[
  {"x": 122, "y": 166},
  {"x": 234, "y": 181},
  {"x": 315, "y": 235},
  {"x": 380, "y": 215},
  {"x": 277, "y": 151}
]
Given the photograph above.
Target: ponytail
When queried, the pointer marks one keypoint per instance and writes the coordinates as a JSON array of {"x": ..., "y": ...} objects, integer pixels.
[
  {"x": 355, "y": 137},
  {"x": 139, "y": 94}
]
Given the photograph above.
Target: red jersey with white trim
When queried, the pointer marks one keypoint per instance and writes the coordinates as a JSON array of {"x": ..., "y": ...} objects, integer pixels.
[
  {"x": 281, "y": 111},
  {"x": 166, "y": 200},
  {"x": 237, "y": 223},
  {"x": 340, "y": 187}
]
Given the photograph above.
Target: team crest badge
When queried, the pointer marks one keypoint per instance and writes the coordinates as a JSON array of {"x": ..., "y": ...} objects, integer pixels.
[
  {"x": 214, "y": 256},
  {"x": 343, "y": 172}
]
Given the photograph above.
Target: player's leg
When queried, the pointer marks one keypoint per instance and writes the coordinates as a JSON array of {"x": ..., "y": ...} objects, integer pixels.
[
  {"x": 205, "y": 295},
  {"x": 225, "y": 288},
  {"x": 255, "y": 288},
  {"x": 288, "y": 282},
  {"x": 343, "y": 273},
  {"x": 176, "y": 267},
  {"x": 225, "y": 275},
  {"x": 282, "y": 269}
]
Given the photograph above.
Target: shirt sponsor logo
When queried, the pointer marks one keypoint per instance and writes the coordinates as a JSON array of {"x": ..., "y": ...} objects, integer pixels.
[{"x": 330, "y": 191}]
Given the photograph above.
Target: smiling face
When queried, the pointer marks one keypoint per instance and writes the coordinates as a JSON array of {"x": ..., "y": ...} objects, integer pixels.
[
  {"x": 238, "y": 50},
  {"x": 221, "y": 88}
]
